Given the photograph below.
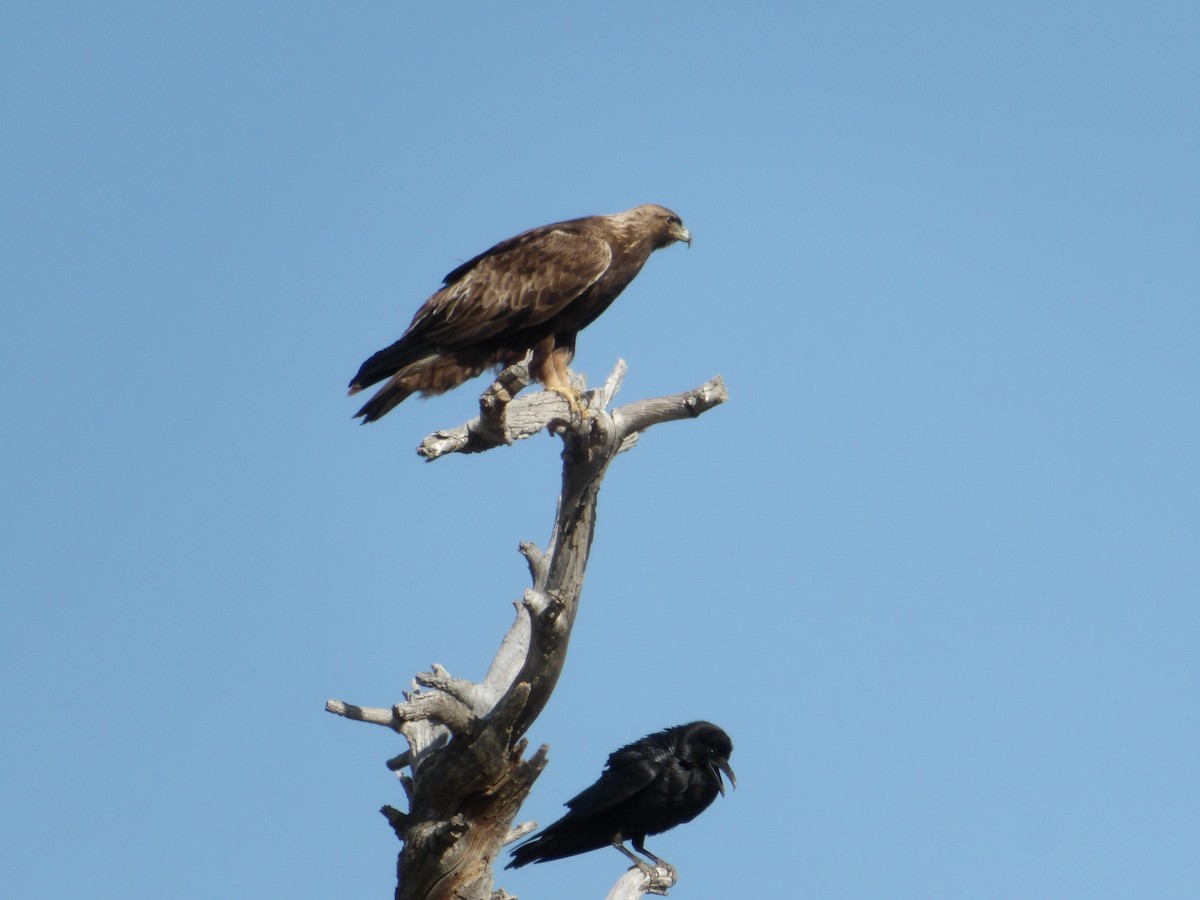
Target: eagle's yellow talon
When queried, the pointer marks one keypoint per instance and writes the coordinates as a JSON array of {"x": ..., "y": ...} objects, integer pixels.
[{"x": 576, "y": 404}]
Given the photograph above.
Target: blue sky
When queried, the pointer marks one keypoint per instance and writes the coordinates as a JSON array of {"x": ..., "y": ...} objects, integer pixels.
[{"x": 934, "y": 566}]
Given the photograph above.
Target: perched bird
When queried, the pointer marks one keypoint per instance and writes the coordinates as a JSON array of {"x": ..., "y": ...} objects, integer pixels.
[
  {"x": 535, "y": 291},
  {"x": 648, "y": 787}
]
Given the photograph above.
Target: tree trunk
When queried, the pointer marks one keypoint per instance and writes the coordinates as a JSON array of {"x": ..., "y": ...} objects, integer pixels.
[{"x": 467, "y": 772}]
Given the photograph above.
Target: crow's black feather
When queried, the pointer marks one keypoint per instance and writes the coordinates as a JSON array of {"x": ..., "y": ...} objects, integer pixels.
[{"x": 648, "y": 787}]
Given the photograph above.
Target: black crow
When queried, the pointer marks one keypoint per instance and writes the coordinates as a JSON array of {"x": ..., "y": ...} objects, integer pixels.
[{"x": 648, "y": 787}]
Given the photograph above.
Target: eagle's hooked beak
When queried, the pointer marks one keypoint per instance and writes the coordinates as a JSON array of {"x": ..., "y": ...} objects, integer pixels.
[
  {"x": 682, "y": 234},
  {"x": 723, "y": 765}
]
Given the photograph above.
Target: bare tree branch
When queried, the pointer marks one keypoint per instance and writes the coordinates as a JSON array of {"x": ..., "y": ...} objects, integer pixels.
[
  {"x": 466, "y": 750},
  {"x": 502, "y": 419},
  {"x": 519, "y": 831},
  {"x": 372, "y": 714},
  {"x": 634, "y": 418},
  {"x": 506, "y": 420},
  {"x": 636, "y": 883}
]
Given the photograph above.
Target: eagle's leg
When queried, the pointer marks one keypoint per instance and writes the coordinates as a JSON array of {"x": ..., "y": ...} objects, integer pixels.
[
  {"x": 639, "y": 844},
  {"x": 642, "y": 865},
  {"x": 554, "y": 375},
  {"x": 575, "y": 402}
]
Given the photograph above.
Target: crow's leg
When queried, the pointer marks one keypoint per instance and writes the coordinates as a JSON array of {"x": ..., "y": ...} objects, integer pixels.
[
  {"x": 639, "y": 844},
  {"x": 643, "y": 867}
]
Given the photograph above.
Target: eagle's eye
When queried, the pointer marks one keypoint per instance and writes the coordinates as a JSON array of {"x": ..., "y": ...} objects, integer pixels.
[{"x": 672, "y": 220}]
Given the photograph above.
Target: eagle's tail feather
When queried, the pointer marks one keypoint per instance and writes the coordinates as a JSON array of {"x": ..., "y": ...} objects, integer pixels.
[
  {"x": 428, "y": 376},
  {"x": 385, "y": 400},
  {"x": 386, "y": 363}
]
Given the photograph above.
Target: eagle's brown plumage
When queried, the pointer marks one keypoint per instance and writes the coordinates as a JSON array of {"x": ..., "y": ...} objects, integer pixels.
[{"x": 535, "y": 291}]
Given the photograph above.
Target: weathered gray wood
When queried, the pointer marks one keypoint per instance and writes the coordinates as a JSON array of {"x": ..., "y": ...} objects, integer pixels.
[
  {"x": 467, "y": 773},
  {"x": 635, "y": 884}
]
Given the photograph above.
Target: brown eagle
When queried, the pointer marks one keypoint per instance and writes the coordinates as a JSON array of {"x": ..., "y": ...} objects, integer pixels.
[{"x": 535, "y": 291}]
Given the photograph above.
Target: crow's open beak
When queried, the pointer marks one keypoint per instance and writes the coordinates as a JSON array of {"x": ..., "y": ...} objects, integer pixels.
[{"x": 723, "y": 765}]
